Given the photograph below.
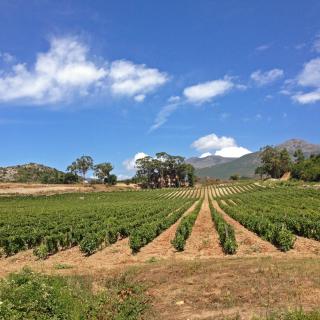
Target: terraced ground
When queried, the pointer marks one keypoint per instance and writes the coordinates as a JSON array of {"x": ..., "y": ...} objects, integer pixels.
[{"x": 103, "y": 233}]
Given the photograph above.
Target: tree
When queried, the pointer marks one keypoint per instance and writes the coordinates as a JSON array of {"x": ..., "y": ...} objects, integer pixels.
[
  {"x": 164, "y": 171},
  {"x": 307, "y": 169},
  {"x": 102, "y": 170},
  {"x": 274, "y": 162},
  {"x": 299, "y": 156},
  {"x": 111, "y": 179},
  {"x": 235, "y": 177},
  {"x": 81, "y": 166}
]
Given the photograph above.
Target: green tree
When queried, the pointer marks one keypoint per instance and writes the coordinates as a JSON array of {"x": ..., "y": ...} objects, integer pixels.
[
  {"x": 102, "y": 170},
  {"x": 81, "y": 165},
  {"x": 299, "y": 156},
  {"x": 274, "y": 162},
  {"x": 112, "y": 179}
]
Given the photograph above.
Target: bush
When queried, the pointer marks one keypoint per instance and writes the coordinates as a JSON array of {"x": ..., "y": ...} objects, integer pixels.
[{"x": 31, "y": 296}]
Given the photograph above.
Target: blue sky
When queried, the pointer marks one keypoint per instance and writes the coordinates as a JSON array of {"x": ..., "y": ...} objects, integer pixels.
[{"x": 119, "y": 79}]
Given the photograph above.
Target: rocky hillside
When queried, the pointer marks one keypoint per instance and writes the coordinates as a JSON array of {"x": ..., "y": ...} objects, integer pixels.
[
  {"x": 246, "y": 165},
  {"x": 31, "y": 172}
]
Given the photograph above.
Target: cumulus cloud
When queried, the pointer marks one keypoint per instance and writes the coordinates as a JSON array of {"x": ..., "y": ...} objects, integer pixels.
[
  {"x": 307, "y": 98},
  {"x": 267, "y": 77},
  {"x": 66, "y": 70},
  {"x": 204, "y": 92},
  {"x": 309, "y": 77},
  {"x": 130, "y": 164},
  {"x": 204, "y": 155},
  {"x": 130, "y": 79},
  {"x": 232, "y": 152},
  {"x": 62, "y": 71},
  {"x": 223, "y": 146},
  {"x": 212, "y": 142}
]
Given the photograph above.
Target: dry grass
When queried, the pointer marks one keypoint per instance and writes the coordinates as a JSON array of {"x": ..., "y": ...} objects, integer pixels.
[{"x": 241, "y": 287}]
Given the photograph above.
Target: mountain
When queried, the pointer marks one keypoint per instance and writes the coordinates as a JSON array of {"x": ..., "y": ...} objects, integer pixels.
[
  {"x": 30, "y": 172},
  {"x": 246, "y": 165},
  {"x": 208, "y": 161}
]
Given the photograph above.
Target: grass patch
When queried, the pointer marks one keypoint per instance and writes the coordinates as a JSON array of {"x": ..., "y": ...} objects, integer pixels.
[{"x": 29, "y": 295}]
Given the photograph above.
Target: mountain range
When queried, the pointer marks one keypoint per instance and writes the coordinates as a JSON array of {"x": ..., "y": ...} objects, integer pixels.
[{"x": 245, "y": 165}]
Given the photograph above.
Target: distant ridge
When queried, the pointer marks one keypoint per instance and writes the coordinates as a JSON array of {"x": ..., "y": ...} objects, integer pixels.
[
  {"x": 208, "y": 161},
  {"x": 245, "y": 165}
]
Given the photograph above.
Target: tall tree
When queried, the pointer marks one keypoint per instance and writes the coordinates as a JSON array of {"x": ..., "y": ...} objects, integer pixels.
[
  {"x": 102, "y": 170},
  {"x": 81, "y": 165},
  {"x": 274, "y": 162}
]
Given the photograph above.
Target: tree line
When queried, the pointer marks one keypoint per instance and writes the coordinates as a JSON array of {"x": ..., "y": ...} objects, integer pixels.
[{"x": 275, "y": 162}]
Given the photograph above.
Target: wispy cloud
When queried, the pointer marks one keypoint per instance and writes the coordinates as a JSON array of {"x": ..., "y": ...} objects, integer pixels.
[
  {"x": 164, "y": 113},
  {"x": 207, "y": 91},
  {"x": 267, "y": 77},
  {"x": 263, "y": 47}
]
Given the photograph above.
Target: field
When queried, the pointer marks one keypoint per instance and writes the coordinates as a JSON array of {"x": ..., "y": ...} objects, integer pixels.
[{"x": 230, "y": 250}]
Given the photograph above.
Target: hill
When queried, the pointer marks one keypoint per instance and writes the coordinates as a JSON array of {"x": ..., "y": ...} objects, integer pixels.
[
  {"x": 31, "y": 172},
  {"x": 245, "y": 165},
  {"x": 208, "y": 161}
]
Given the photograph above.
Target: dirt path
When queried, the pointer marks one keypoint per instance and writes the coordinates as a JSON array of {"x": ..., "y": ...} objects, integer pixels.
[
  {"x": 161, "y": 247},
  {"x": 204, "y": 240},
  {"x": 306, "y": 246},
  {"x": 248, "y": 242}
]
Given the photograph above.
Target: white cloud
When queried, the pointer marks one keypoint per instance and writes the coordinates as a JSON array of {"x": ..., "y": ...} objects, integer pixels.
[
  {"x": 223, "y": 146},
  {"x": 62, "y": 71},
  {"x": 165, "y": 112},
  {"x": 213, "y": 142},
  {"x": 66, "y": 71},
  {"x": 204, "y": 155},
  {"x": 232, "y": 152},
  {"x": 267, "y": 77},
  {"x": 204, "y": 92},
  {"x": 139, "y": 97},
  {"x": 174, "y": 99},
  {"x": 130, "y": 79},
  {"x": 130, "y": 164},
  {"x": 310, "y": 75},
  {"x": 306, "y": 98}
]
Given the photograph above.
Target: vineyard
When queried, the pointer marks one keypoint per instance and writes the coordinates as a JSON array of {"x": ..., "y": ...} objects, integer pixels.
[{"x": 185, "y": 218}]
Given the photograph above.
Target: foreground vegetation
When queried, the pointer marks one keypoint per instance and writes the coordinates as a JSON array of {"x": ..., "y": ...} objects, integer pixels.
[{"x": 32, "y": 296}]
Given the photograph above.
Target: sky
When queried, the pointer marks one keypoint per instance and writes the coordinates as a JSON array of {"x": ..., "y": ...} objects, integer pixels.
[{"x": 118, "y": 80}]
